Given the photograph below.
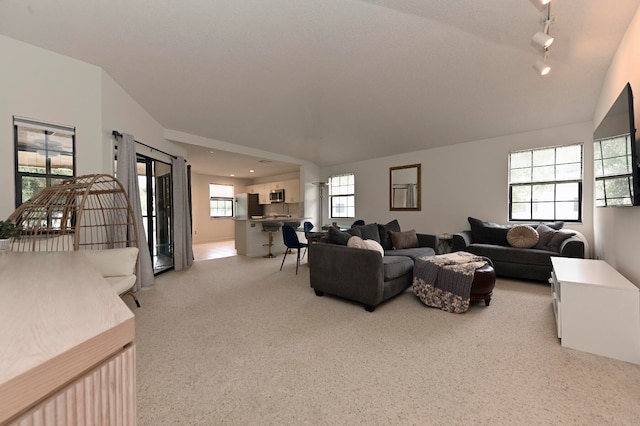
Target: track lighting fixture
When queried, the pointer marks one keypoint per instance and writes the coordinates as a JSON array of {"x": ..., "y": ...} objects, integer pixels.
[
  {"x": 544, "y": 40},
  {"x": 541, "y": 67}
]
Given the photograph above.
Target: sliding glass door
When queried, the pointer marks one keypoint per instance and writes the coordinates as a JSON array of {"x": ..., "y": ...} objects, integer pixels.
[{"x": 154, "y": 179}]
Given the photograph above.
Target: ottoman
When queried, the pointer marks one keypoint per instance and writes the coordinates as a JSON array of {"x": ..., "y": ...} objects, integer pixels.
[{"x": 484, "y": 279}]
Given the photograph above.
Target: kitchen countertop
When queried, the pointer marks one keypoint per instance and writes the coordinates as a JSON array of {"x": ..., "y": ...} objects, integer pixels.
[{"x": 277, "y": 219}]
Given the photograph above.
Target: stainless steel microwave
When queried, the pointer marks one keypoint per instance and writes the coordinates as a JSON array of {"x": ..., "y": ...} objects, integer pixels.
[{"x": 276, "y": 196}]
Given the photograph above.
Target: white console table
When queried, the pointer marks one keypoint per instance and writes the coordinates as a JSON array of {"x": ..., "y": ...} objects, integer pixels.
[{"x": 597, "y": 310}]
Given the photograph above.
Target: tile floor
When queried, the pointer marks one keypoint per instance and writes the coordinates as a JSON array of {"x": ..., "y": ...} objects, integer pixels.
[{"x": 214, "y": 250}]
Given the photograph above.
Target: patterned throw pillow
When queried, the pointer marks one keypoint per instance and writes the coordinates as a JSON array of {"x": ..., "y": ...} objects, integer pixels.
[{"x": 522, "y": 236}]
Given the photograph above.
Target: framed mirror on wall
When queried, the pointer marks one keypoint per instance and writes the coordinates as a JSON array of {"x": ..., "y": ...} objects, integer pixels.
[{"x": 404, "y": 188}]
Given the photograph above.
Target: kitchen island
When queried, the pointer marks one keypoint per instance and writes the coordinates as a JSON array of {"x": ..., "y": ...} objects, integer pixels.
[{"x": 252, "y": 240}]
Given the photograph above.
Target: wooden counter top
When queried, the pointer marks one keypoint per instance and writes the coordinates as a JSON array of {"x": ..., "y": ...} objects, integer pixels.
[{"x": 58, "y": 318}]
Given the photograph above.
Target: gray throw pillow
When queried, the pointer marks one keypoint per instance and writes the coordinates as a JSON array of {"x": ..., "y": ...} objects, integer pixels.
[
  {"x": 383, "y": 230},
  {"x": 549, "y": 239},
  {"x": 369, "y": 232},
  {"x": 488, "y": 232},
  {"x": 403, "y": 240},
  {"x": 336, "y": 236}
]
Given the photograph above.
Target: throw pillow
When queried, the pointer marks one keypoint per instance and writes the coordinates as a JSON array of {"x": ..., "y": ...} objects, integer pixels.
[
  {"x": 488, "y": 232},
  {"x": 522, "y": 236},
  {"x": 358, "y": 242},
  {"x": 336, "y": 236},
  {"x": 383, "y": 230},
  {"x": 405, "y": 239},
  {"x": 557, "y": 225},
  {"x": 549, "y": 239},
  {"x": 369, "y": 231}
]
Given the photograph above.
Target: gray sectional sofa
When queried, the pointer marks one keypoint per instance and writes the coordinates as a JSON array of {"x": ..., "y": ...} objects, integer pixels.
[
  {"x": 534, "y": 263},
  {"x": 362, "y": 275}
]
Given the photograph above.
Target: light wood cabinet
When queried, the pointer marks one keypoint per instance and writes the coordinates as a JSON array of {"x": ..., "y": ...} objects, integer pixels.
[
  {"x": 292, "y": 190},
  {"x": 68, "y": 352},
  {"x": 597, "y": 310}
]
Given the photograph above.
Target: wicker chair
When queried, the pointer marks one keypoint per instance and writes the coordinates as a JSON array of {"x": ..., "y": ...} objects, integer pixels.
[{"x": 90, "y": 212}]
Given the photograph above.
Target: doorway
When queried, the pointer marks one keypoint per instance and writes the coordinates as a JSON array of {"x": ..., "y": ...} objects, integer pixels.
[{"x": 155, "y": 182}]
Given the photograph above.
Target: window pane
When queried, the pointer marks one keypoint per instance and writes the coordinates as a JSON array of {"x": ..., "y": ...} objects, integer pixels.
[
  {"x": 543, "y": 211},
  {"x": 62, "y": 165},
  {"x": 520, "y": 159},
  {"x": 521, "y": 211},
  {"x": 521, "y": 193},
  {"x": 31, "y": 186},
  {"x": 546, "y": 173},
  {"x": 520, "y": 175},
  {"x": 219, "y": 190},
  {"x": 567, "y": 192},
  {"x": 221, "y": 207},
  {"x": 569, "y": 171},
  {"x": 544, "y": 157},
  {"x": 567, "y": 209},
  {"x": 543, "y": 192},
  {"x": 342, "y": 206},
  {"x": 569, "y": 154},
  {"x": 31, "y": 162}
]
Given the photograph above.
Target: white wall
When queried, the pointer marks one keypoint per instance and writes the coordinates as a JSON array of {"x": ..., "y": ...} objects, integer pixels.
[
  {"x": 463, "y": 180},
  {"x": 46, "y": 86},
  {"x": 122, "y": 113},
  {"x": 206, "y": 228},
  {"x": 617, "y": 230}
]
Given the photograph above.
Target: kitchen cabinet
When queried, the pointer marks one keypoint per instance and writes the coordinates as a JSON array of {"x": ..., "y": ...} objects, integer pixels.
[{"x": 292, "y": 191}]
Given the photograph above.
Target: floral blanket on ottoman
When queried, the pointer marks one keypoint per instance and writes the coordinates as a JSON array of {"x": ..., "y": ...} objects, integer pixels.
[{"x": 444, "y": 281}]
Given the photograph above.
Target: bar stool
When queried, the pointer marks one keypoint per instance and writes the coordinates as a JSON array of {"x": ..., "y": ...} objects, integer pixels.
[{"x": 270, "y": 227}]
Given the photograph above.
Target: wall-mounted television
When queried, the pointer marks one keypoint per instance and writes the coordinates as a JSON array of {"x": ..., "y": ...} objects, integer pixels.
[{"x": 617, "y": 181}]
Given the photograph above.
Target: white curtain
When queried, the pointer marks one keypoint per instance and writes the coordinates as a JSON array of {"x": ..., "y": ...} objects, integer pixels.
[
  {"x": 127, "y": 174},
  {"x": 183, "y": 251}
]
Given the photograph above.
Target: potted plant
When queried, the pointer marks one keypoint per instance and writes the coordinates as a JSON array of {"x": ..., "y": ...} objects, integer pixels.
[{"x": 8, "y": 230}]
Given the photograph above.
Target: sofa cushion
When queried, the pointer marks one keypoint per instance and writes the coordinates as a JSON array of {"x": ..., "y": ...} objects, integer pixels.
[
  {"x": 522, "y": 236},
  {"x": 383, "y": 230},
  {"x": 404, "y": 239},
  {"x": 488, "y": 232},
  {"x": 118, "y": 262},
  {"x": 496, "y": 253},
  {"x": 358, "y": 242},
  {"x": 413, "y": 253},
  {"x": 369, "y": 231},
  {"x": 550, "y": 239},
  {"x": 396, "y": 266},
  {"x": 336, "y": 236}
]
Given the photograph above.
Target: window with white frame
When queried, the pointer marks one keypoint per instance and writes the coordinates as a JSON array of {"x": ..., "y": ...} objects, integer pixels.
[
  {"x": 545, "y": 184},
  {"x": 342, "y": 196},
  {"x": 220, "y": 200},
  {"x": 44, "y": 156}
]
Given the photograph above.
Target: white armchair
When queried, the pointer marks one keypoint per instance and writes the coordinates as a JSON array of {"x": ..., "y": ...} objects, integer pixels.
[{"x": 118, "y": 267}]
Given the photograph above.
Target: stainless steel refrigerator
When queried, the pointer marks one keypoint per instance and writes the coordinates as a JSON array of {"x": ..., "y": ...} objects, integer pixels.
[{"x": 247, "y": 205}]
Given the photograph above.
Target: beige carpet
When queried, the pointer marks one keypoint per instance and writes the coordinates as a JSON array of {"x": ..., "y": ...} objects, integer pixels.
[{"x": 234, "y": 341}]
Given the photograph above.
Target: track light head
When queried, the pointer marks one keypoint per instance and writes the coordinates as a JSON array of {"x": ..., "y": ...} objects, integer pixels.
[
  {"x": 543, "y": 40},
  {"x": 544, "y": 2},
  {"x": 541, "y": 67}
]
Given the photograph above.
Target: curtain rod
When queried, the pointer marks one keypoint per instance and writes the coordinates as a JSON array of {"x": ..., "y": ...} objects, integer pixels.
[{"x": 118, "y": 134}]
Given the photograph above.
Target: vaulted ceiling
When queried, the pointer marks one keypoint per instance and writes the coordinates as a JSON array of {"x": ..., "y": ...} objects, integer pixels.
[{"x": 335, "y": 81}]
